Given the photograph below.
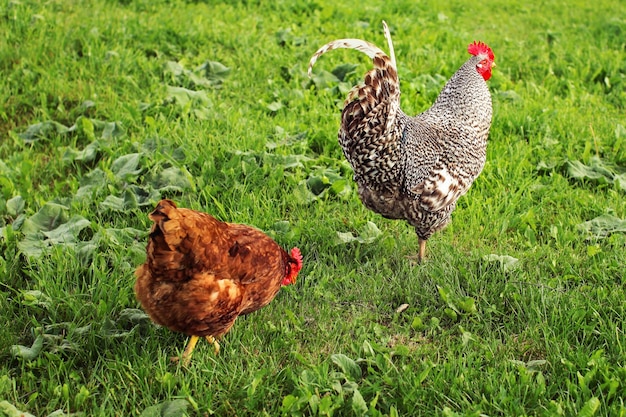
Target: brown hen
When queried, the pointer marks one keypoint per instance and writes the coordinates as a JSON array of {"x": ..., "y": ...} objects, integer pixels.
[{"x": 201, "y": 274}]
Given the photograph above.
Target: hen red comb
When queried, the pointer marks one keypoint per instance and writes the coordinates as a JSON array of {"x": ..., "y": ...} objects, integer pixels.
[
  {"x": 477, "y": 48},
  {"x": 297, "y": 256}
]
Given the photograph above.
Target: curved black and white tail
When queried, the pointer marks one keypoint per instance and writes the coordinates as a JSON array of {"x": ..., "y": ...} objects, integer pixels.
[{"x": 370, "y": 130}]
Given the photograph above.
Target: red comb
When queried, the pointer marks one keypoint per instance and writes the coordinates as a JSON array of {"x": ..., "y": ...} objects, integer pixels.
[
  {"x": 478, "y": 48},
  {"x": 292, "y": 271},
  {"x": 297, "y": 256}
]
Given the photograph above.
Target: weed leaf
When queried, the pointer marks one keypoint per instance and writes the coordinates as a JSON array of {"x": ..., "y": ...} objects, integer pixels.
[
  {"x": 603, "y": 225},
  {"x": 86, "y": 155},
  {"x": 173, "y": 179},
  {"x": 215, "y": 71},
  {"x": 28, "y": 353},
  {"x": 324, "y": 79},
  {"x": 126, "y": 167},
  {"x": 15, "y": 206},
  {"x": 369, "y": 234},
  {"x": 49, "y": 217},
  {"x": 590, "y": 408},
  {"x": 185, "y": 97},
  {"x": 350, "y": 369},
  {"x": 68, "y": 232},
  {"x": 358, "y": 403},
  {"x": 174, "y": 408},
  {"x": 343, "y": 70},
  {"x": 507, "y": 263},
  {"x": 596, "y": 171},
  {"x": 90, "y": 184},
  {"x": 9, "y": 410},
  {"x": 44, "y": 130}
]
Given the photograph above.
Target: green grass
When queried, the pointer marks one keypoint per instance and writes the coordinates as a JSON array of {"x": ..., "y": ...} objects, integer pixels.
[{"x": 519, "y": 310}]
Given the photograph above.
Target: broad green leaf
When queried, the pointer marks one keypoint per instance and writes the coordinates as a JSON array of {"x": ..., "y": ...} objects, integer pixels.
[
  {"x": 507, "y": 263},
  {"x": 444, "y": 293},
  {"x": 174, "y": 68},
  {"x": 183, "y": 96},
  {"x": 343, "y": 70},
  {"x": 9, "y": 410},
  {"x": 133, "y": 315},
  {"x": 111, "y": 130},
  {"x": 49, "y": 217},
  {"x": 113, "y": 203},
  {"x": 359, "y": 407},
  {"x": 620, "y": 180},
  {"x": 86, "y": 127},
  {"x": 281, "y": 226},
  {"x": 452, "y": 315},
  {"x": 590, "y": 408},
  {"x": 172, "y": 179},
  {"x": 369, "y": 234},
  {"x": 468, "y": 305},
  {"x": 341, "y": 188},
  {"x": 274, "y": 106},
  {"x": 349, "y": 367},
  {"x": 142, "y": 196},
  {"x": 36, "y": 298},
  {"x": 86, "y": 155},
  {"x": 28, "y": 353},
  {"x": 68, "y": 232},
  {"x": 317, "y": 184},
  {"x": 215, "y": 71},
  {"x": 15, "y": 206},
  {"x": 175, "y": 408},
  {"x": 303, "y": 195},
  {"x": 578, "y": 170},
  {"x": 85, "y": 252},
  {"x": 44, "y": 130},
  {"x": 122, "y": 237},
  {"x": 126, "y": 166},
  {"x": 33, "y": 245},
  {"x": 91, "y": 183},
  {"x": 603, "y": 225},
  {"x": 323, "y": 79}
]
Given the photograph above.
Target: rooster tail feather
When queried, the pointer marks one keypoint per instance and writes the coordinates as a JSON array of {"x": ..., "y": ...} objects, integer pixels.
[
  {"x": 392, "y": 54},
  {"x": 381, "y": 84},
  {"x": 367, "y": 48}
]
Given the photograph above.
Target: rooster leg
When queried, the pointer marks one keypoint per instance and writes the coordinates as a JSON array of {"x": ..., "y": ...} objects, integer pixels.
[
  {"x": 216, "y": 345},
  {"x": 421, "y": 254},
  {"x": 422, "y": 250}
]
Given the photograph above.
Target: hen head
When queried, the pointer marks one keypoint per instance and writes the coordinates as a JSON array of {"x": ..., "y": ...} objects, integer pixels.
[
  {"x": 485, "y": 65},
  {"x": 294, "y": 265}
]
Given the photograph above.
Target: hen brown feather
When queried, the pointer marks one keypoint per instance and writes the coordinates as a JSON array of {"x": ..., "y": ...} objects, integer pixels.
[{"x": 201, "y": 274}]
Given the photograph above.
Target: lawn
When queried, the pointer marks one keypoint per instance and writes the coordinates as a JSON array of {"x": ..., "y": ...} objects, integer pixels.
[{"x": 108, "y": 106}]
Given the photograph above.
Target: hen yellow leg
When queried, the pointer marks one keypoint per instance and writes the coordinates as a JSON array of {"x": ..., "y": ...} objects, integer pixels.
[
  {"x": 191, "y": 345},
  {"x": 188, "y": 351},
  {"x": 216, "y": 346}
]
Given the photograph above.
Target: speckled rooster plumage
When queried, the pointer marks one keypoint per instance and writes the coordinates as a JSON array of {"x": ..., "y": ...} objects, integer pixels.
[{"x": 415, "y": 168}]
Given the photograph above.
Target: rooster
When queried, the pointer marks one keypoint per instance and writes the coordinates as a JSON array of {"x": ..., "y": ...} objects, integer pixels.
[
  {"x": 415, "y": 168},
  {"x": 201, "y": 274}
]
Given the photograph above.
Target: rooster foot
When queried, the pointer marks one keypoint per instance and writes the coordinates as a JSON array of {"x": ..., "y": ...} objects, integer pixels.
[{"x": 421, "y": 254}]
